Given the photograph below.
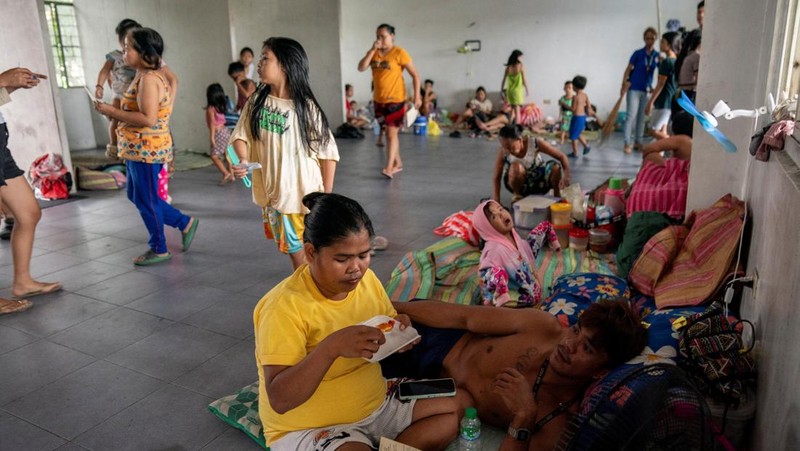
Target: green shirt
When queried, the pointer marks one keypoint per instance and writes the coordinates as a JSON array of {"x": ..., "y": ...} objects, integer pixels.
[{"x": 666, "y": 69}]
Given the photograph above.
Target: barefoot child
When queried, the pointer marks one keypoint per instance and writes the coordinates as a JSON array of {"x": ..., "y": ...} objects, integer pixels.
[
  {"x": 219, "y": 134},
  {"x": 580, "y": 108},
  {"x": 565, "y": 102},
  {"x": 283, "y": 128},
  {"x": 119, "y": 76},
  {"x": 316, "y": 390},
  {"x": 507, "y": 267},
  {"x": 513, "y": 83}
]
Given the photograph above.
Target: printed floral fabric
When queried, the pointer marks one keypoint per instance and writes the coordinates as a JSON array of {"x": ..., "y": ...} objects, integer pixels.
[
  {"x": 151, "y": 145},
  {"x": 573, "y": 293}
]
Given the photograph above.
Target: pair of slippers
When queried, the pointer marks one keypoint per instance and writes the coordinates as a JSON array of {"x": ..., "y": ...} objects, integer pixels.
[
  {"x": 151, "y": 258},
  {"x": 20, "y": 304}
]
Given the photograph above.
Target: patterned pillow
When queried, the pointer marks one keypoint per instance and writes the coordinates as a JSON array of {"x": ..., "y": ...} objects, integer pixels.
[
  {"x": 573, "y": 293},
  {"x": 662, "y": 339},
  {"x": 241, "y": 411}
]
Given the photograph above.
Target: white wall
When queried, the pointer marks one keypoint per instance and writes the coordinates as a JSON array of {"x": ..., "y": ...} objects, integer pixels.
[
  {"x": 560, "y": 39},
  {"x": 314, "y": 24},
  {"x": 197, "y": 48},
  {"x": 35, "y": 127},
  {"x": 76, "y": 101},
  {"x": 740, "y": 62}
]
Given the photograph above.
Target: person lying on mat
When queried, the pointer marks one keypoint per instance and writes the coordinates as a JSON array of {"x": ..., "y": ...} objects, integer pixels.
[
  {"x": 316, "y": 390},
  {"x": 524, "y": 370}
]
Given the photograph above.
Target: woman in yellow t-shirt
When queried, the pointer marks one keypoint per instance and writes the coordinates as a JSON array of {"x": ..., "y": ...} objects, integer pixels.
[
  {"x": 387, "y": 62},
  {"x": 316, "y": 390}
]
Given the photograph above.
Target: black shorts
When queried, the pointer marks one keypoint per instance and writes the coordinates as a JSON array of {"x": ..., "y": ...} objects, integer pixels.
[
  {"x": 425, "y": 360},
  {"x": 8, "y": 167}
]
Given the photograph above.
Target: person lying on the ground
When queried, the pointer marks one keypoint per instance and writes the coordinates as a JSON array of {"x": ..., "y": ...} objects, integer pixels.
[
  {"x": 523, "y": 170},
  {"x": 507, "y": 266},
  {"x": 497, "y": 122},
  {"x": 525, "y": 371}
]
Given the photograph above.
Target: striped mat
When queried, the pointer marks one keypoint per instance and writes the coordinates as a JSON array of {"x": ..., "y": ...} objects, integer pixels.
[
  {"x": 551, "y": 265},
  {"x": 448, "y": 271}
]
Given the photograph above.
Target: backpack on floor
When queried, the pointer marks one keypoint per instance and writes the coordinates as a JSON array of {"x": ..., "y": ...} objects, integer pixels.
[
  {"x": 347, "y": 131},
  {"x": 713, "y": 355}
]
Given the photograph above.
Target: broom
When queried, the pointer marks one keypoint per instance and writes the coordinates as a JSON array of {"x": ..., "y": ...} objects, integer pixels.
[{"x": 608, "y": 127}]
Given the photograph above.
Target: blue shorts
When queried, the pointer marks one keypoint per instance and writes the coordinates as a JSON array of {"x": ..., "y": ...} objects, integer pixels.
[{"x": 576, "y": 127}]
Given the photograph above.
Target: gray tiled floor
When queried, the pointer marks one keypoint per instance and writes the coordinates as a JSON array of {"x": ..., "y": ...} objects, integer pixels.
[{"x": 128, "y": 358}]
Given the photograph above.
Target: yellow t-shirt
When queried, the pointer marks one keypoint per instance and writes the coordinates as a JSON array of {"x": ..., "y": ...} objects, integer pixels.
[
  {"x": 290, "y": 322},
  {"x": 288, "y": 170},
  {"x": 387, "y": 75}
]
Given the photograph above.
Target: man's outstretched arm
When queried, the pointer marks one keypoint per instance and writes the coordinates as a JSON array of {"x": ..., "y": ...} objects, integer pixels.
[{"x": 477, "y": 319}]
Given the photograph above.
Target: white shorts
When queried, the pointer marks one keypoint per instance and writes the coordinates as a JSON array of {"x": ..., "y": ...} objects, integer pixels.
[
  {"x": 659, "y": 118},
  {"x": 389, "y": 420}
]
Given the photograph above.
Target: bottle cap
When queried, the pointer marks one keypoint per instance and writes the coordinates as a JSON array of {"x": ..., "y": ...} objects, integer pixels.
[
  {"x": 471, "y": 413},
  {"x": 615, "y": 183}
]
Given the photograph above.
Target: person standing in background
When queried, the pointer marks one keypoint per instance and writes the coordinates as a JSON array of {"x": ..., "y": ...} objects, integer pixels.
[
  {"x": 18, "y": 199},
  {"x": 636, "y": 82},
  {"x": 387, "y": 62}
]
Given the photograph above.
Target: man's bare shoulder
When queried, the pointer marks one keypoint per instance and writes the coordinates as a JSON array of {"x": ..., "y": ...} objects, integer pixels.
[{"x": 539, "y": 321}]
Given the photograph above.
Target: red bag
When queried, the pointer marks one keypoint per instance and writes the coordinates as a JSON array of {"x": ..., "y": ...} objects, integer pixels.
[{"x": 49, "y": 177}]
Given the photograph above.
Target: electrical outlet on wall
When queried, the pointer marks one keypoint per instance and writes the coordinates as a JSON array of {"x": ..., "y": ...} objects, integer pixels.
[{"x": 547, "y": 102}]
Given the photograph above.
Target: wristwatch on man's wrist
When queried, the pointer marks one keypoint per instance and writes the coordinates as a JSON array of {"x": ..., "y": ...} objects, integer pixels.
[{"x": 521, "y": 434}]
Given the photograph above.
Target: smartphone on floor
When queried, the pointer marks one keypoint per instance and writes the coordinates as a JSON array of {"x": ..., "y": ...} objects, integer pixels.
[{"x": 427, "y": 388}]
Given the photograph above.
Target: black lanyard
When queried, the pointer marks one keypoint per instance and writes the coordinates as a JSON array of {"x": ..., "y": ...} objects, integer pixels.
[{"x": 562, "y": 406}]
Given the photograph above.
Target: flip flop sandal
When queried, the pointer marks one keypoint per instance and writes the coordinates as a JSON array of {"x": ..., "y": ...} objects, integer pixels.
[
  {"x": 189, "y": 236},
  {"x": 8, "y": 306},
  {"x": 379, "y": 243},
  {"x": 46, "y": 289},
  {"x": 386, "y": 174},
  {"x": 150, "y": 258}
]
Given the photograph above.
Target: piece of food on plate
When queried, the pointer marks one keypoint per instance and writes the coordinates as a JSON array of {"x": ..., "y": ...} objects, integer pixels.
[{"x": 387, "y": 326}]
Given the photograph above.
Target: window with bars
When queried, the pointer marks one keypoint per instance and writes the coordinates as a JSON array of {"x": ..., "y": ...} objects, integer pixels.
[{"x": 63, "y": 28}]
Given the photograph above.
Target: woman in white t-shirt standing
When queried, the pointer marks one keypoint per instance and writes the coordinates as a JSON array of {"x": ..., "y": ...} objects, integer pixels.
[{"x": 283, "y": 128}]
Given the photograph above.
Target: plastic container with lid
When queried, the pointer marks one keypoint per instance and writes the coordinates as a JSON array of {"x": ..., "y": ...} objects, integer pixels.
[
  {"x": 562, "y": 232},
  {"x": 599, "y": 240},
  {"x": 559, "y": 213},
  {"x": 615, "y": 196},
  {"x": 532, "y": 210},
  {"x": 578, "y": 239}
]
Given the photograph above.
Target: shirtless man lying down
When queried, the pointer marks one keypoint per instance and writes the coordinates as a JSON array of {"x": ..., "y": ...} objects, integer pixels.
[{"x": 524, "y": 370}]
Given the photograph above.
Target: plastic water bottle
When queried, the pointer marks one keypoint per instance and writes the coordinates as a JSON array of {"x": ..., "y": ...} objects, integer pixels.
[
  {"x": 469, "y": 436},
  {"x": 615, "y": 196}
]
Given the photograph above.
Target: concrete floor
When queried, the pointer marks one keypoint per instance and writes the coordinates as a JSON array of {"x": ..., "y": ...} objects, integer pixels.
[{"x": 129, "y": 358}]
